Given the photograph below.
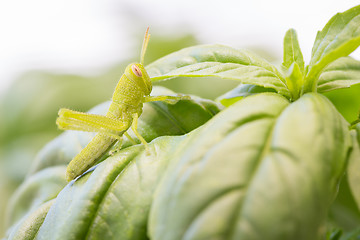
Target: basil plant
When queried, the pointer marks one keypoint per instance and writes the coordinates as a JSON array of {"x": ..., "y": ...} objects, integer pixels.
[{"x": 271, "y": 159}]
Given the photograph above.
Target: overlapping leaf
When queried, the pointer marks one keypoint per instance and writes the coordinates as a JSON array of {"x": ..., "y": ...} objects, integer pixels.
[
  {"x": 256, "y": 179},
  {"x": 218, "y": 61},
  {"x": 114, "y": 201}
]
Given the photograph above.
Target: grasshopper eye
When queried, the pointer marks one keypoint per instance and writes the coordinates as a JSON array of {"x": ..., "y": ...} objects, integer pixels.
[{"x": 136, "y": 70}]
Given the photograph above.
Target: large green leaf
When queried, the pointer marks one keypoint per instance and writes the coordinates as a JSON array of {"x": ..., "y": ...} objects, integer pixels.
[
  {"x": 218, "y": 61},
  {"x": 261, "y": 169},
  {"x": 339, "y": 37},
  {"x": 342, "y": 73},
  {"x": 113, "y": 202}
]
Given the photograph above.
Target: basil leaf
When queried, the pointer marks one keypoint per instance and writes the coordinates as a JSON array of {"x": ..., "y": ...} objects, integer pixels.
[
  {"x": 339, "y": 37},
  {"x": 342, "y": 73},
  {"x": 292, "y": 51},
  {"x": 260, "y": 163},
  {"x": 113, "y": 201},
  {"x": 218, "y": 61}
]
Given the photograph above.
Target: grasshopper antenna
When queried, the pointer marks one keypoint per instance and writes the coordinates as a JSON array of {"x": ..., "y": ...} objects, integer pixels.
[{"x": 144, "y": 46}]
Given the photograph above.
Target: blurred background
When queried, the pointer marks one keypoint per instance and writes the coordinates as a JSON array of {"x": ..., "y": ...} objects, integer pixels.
[{"x": 71, "y": 54}]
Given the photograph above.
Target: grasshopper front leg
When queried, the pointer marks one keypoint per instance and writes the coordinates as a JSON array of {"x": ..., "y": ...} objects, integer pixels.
[
  {"x": 167, "y": 99},
  {"x": 134, "y": 128}
]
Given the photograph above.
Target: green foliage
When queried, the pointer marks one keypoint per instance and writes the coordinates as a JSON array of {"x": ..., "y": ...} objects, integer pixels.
[{"x": 280, "y": 162}]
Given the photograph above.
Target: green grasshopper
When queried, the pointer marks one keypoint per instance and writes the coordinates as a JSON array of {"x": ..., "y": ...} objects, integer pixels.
[{"x": 132, "y": 90}]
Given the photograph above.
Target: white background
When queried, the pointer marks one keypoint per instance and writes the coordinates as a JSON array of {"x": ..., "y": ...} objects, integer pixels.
[{"x": 88, "y": 36}]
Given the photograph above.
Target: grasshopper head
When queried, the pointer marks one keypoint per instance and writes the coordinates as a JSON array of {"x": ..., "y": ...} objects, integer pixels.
[
  {"x": 136, "y": 71},
  {"x": 140, "y": 76}
]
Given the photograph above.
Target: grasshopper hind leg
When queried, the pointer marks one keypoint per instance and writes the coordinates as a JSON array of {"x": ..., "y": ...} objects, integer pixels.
[{"x": 74, "y": 120}]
